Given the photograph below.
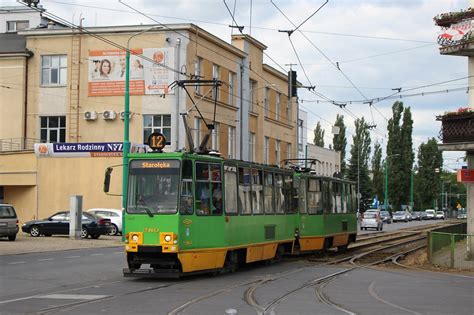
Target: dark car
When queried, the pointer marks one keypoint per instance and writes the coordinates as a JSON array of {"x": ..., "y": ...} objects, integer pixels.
[
  {"x": 386, "y": 217},
  {"x": 417, "y": 215},
  {"x": 8, "y": 222},
  {"x": 58, "y": 223}
]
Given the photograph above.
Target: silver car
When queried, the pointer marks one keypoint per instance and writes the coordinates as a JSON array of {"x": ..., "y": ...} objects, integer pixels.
[
  {"x": 371, "y": 219},
  {"x": 115, "y": 216},
  {"x": 8, "y": 222}
]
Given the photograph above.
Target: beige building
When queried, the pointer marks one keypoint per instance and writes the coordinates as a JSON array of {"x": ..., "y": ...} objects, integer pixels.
[
  {"x": 329, "y": 160},
  {"x": 59, "y": 85}
]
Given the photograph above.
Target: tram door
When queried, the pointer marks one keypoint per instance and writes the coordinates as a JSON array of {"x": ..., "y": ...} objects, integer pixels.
[{"x": 231, "y": 204}]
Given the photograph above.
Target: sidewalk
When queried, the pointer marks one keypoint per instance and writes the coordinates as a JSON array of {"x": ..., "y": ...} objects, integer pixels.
[{"x": 24, "y": 243}]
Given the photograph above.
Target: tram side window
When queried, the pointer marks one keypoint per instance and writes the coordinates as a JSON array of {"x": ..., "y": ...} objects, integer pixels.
[
  {"x": 208, "y": 190},
  {"x": 244, "y": 191},
  {"x": 279, "y": 195},
  {"x": 328, "y": 203},
  {"x": 289, "y": 193},
  {"x": 257, "y": 191},
  {"x": 302, "y": 195},
  {"x": 337, "y": 190},
  {"x": 268, "y": 191},
  {"x": 230, "y": 174},
  {"x": 186, "y": 200},
  {"x": 315, "y": 198},
  {"x": 345, "y": 194},
  {"x": 354, "y": 197}
]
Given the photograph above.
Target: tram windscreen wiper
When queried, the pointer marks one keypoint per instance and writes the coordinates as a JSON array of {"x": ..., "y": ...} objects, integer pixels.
[{"x": 150, "y": 214}]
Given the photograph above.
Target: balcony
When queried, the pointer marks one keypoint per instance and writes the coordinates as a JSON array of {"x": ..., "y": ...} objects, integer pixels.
[
  {"x": 17, "y": 144},
  {"x": 457, "y": 129},
  {"x": 456, "y": 36}
]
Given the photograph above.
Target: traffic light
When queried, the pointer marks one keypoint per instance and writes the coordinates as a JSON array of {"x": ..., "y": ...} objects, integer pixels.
[{"x": 292, "y": 90}]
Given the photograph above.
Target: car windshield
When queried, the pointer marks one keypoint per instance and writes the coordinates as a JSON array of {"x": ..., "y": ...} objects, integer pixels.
[
  {"x": 384, "y": 213},
  {"x": 429, "y": 211},
  {"x": 439, "y": 212},
  {"x": 153, "y": 186},
  {"x": 399, "y": 213},
  {"x": 370, "y": 215}
]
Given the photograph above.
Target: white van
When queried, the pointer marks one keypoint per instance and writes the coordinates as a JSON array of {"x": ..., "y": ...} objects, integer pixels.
[{"x": 430, "y": 214}]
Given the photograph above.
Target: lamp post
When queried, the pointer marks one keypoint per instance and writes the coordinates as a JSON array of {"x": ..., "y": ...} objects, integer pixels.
[
  {"x": 126, "y": 120},
  {"x": 386, "y": 180}
]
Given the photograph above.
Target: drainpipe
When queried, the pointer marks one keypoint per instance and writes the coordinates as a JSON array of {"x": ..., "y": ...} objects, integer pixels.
[
  {"x": 25, "y": 105},
  {"x": 177, "y": 107},
  {"x": 241, "y": 122}
]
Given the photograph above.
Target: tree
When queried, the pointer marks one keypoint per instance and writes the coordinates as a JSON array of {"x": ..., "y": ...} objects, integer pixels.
[
  {"x": 318, "y": 135},
  {"x": 339, "y": 141},
  {"x": 400, "y": 156},
  {"x": 427, "y": 181},
  {"x": 358, "y": 170},
  {"x": 377, "y": 172}
]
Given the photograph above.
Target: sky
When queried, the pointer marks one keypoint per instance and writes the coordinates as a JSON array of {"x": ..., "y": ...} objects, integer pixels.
[{"x": 351, "y": 51}]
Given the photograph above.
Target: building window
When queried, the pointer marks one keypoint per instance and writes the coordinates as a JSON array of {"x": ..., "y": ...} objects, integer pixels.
[
  {"x": 253, "y": 98},
  {"x": 252, "y": 157},
  {"x": 157, "y": 123},
  {"x": 54, "y": 70},
  {"x": 15, "y": 26},
  {"x": 231, "y": 88},
  {"x": 277, "y": 106},
  {"x": 265, "y": 101},
  {"x": 215, "y": 76},
  {"x": 300, "y": 135},
  {"x": 288, "y": 111},
  {"x": 277, "y": 152},
  {"x": 197, "y": 72},
  {"x": 288, "y": 150},
  {"x": 53, "y": 128},
  {"x": 215, "y": 137},
  {"x": 231, "y": 144},
  {"x": 197, "y": 132},
  {"x": 266, "y": 150}
]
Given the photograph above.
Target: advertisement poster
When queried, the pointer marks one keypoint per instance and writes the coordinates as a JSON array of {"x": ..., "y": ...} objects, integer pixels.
[{"x": 107, "y": 72}]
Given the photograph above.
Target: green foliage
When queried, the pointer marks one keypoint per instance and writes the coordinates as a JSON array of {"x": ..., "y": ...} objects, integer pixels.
[
  {"x": 340, "y": 142},
  {"x": 400, "y": 156},
  {"x": 318, "y": 135},
  {"x": 358, "y": 170},
  {"x": 427, "y": 180},
  {"x": 377, "y": 171}
]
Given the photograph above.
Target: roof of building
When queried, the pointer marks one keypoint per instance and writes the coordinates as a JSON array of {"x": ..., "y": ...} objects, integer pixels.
[{"x": 12, "y": 43}]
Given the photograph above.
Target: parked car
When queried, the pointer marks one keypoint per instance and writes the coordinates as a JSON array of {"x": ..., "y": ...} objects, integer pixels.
[
  {"x": 440, "y": 215},
  {"x": 8, "y": 222},
  {"x": 371, "y": 219},
  {"x": 417, "y": 215},
  {"x": 58, "y": 223},
  {"x": 430, "y": 214},
  {"x": 462, "y": 215},
  {"x": 115, "y": 216},
  {"x": 423, "y": 215},
  {"x": 386, "y": 217},
  {"x": 401, "y": 216}
]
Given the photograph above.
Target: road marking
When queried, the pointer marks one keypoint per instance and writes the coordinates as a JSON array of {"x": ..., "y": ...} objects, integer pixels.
[
  {"x": 374, "y": 295},
  {"x": 71, "y": 296},
  {"x": 45, "y": 259},
  {"x": 17, "y": 262},
  {"x": 73, "y": 257},
  {"x": 116, "y": 253},
  {"x": 97, "y": 254}
]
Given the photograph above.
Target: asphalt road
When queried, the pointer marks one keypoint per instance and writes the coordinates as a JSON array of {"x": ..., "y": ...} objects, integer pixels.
[{"x": 89, "y": 281}]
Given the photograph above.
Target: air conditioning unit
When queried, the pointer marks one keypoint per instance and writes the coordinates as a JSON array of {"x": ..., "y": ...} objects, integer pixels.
[
  {"x": 122, "y": 115},
  {"x": 91, "y": 115},
  {"x": 109, "y": 115}
]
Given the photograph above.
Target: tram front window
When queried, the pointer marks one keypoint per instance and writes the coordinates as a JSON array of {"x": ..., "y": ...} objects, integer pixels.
[{"x": 153, "y": 186}]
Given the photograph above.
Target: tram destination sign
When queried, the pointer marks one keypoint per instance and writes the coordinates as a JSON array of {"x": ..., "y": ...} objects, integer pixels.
[{"x": 85, "y": 149}]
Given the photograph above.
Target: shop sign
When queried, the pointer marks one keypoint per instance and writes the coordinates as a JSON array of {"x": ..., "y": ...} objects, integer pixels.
[
  {"x": 86, "y": 149},
  {"x": 455, "y": 34},
  {"x": 466, "y": 176}
]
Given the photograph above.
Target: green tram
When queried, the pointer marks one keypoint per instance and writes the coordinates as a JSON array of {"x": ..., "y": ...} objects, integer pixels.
[{"x": 189, "y": 213}]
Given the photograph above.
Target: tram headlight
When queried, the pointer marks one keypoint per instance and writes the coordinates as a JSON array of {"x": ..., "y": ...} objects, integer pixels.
[
  {"x": 135, "y": 238},
  {"x": 167, "y": 238}
]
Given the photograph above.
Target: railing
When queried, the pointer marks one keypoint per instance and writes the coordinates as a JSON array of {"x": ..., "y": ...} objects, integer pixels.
[
  {"x": 17, "y": 144},
  {"x": 448, "y": 247},
  {"x": 457, "y": 127}
]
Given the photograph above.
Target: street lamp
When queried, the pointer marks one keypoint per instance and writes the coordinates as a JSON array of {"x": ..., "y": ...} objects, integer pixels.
[
  {"x": 126, "y": 120},
  {"x": 386, "y": 180}
]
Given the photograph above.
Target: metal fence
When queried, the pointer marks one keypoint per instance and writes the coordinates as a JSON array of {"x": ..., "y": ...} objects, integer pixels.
[
  {"x": 449, "y": 247},
  {"x": 17, "y": 144}
]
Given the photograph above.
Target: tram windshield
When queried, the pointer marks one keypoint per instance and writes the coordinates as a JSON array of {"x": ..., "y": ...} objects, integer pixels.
[{"x": 153, "y": 187}]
